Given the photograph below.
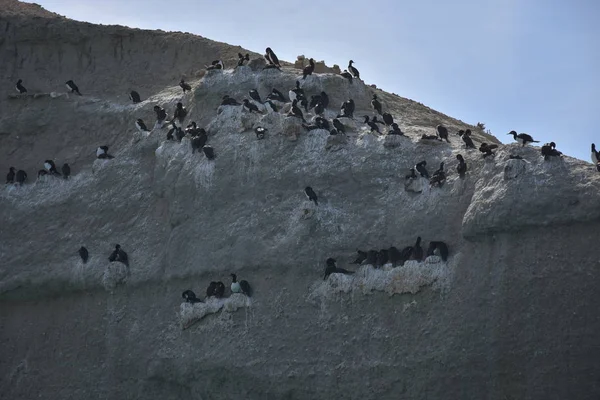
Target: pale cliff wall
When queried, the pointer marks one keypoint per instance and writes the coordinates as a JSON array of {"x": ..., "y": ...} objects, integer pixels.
[{"x": 510, "y": 316}]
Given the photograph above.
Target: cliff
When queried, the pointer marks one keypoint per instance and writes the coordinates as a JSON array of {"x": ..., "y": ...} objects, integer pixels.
[{"x": 510, "y": 315}]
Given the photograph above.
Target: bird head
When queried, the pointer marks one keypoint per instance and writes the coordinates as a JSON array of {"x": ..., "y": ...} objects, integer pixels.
[
  {"x": 19, "y": 81},
  {"x": 418, "y": 240},
  {"x": 552, "y": 144},
  {"x": 460, "y": 158},
  {"x": 593, "y": 147},
  {"x": 233, "y": 277},
  {"x": 179, "y": 105},
  {"x": 366, "y": 117},
  {"x": 512, "y": 133},
  {"x": 330, "y": 262},
  {"x": 118, "y": 246},
  {"x": 11, "y": 168},
  {"x": 350, "y": 62}
]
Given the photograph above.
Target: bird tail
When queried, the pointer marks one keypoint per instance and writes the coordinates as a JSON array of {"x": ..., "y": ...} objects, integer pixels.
[
  {"x": 316, "y": 202},
  {"x": 535, "y": 141}
]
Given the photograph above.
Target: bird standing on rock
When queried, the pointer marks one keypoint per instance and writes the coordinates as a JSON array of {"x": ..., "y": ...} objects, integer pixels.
[
  {"x": 308, "y": 70},
  {"x": 242, "y": 59},
  {"x": 10, "y": 177},
  {"x": 422, "y": 170},
  {"x": 376, "y": 104},
  {"x": 66, "y": 171},
  {"x": 442, "y": 132},
  {"x": 353, "y": 70},
  {"x": 310, "y": 193},
  {"x": 461, "y": 168},
  {"x": 522, "y": 138},
  {"x": 295, "y": 111},
  {"x": 271, "y": 58},
  {"x": 184, "y": 86},
  {"x": 241, "y": 286},
  {"x": 20, "y": 88},
  {"x": 72, "y": 87},
  {"x": 331, "y": 268},
  {"x": 119, "y": 255}
]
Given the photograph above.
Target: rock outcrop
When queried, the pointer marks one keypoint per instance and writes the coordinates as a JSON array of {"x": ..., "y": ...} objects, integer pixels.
[{"x": 510, "y": 314}]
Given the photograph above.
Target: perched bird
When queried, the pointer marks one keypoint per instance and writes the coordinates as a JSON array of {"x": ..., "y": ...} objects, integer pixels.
[
  {"x": 438, "y": 249},
  {"x": 210, "y": 291},
  {"x": 295, "y": 111},
  {"x": 209, "y": 152},
  {"x": 184, "y": 86},
  {"x": 217, "y": 64},
  {"x": 141, "y": 126},
  {"x": 417, "y": 252},
  {"x": 362, "y": 256},
  {"x": 296, "y": 93},
  {"x": 119, "y": 255},
  {"x": 72, "y": 87},
  {"x": 161, "y": 114},
  {"x": 255, "y": 96},
  {"x": 376, "y": 104},
  {"x": 102, "y": 153},
  {"x": 271, "y": 106},
  {"x": 241, "y": 286},
  {"x": 260, "y": 132},
  {"x": 486, "y": 149},
  {"x": 66, "y": 171},
  {"x": 21, "y": 177},
  {"x": 422, "y": 170},
  {"x": 595, "y": 154},
  {"x": 466, "y": 137},
  {"x": 10, "y": 177},
  {"x": 229, "y": 101},
  {"x": 331, "y": 268},
  {"x": 395, "y": 130},
  {"x": 347, "y": 109},
  {"x": 371, "y": 124},
  {"x": 322, "y": 123},
  {"x": 83, "y": 253},
  {"x": 308, "y": 70},
  {"x": 347, "y": 75},
  {"x": 388, "y": 119},
  {"x": 135, "y": 97},
  {"x": 20, "y": 88},
  {"x": 51, "y": 167},
  {"x": 442, "y": 132},
  {"x": 549, "y": 150},
  {"x": 180, "y": 112},
  {"x": 219, "y": 290},
  {"x": 199, "y": 141},
  {"x": 276, "y": 95},
  {"x": 353, "y": 70},
  {"x": 272, "y": 58},
  {"x": 249, "y": 106},
  {"x": 190, "y": 297},
  {"x": 242, "y": 59},
  {"x": 310, "y": 193},
  {"x": 334, "y": 132},
  {"x": 461, "y": 168},
  {"x": 522, "y": 138},
  {"x": 439, "y": 177},
  {"x": 338, "y": 125},
  {"x": 319, "y": 109}
]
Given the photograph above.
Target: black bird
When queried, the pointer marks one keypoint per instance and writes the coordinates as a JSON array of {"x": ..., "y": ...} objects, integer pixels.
[
  {"x": 353, "y": 70},
  {"x": 347, "y": 75},
  {"x": 83, "y": 253},
  {"x": 339, "y": 126},
  {"x": 270, "y": 105},
  {"x": 249, "y": 106},
  {"x": 371, "y": 124},
  {"x": 51, "y": 167},
  {"x": 229, "y": 101},
  {"x": 333, "y": 132},
  {"x": 161, "y": 113},
  {"x": 347, "y": 109},
  {"x": 190, "y": 297},
  {"x": 466, "y": 137},
  {"x": 324, "y": 99},
  {"x": 210, "y": 291},
  {"x": 66, "y": 171},
  {"x": 388, "y": 119},
  {"x": 422, "y": 170},
  {"x": 242, "y": 59},
  {"x": 219, "y": 290},
  {"x": 549, "y": 150},
  {"x": 209, "y": 152},
  {"x": 241, "y": 286},
  {"x": 417, "y": 253},
  {"x": 461, "y": 168},
  {"x": 310, "y": 193},
  {"x": 20, "y": 88},
  {"x": 184, "y": 86},
  {"x": 406, "y": 254},
  {"x": 135, "y": 97},
  {"x": 21, "y": 177},
  {"x": 260, "y": 132},
  {"x": 595, "y": 154},
  {"x": 119, "y": 255},
  {"x": 295, "y": 111},
  {"x": 10, "y": 177},
  {"x": 331, "y": 268},
  {"x": 276, "y": 95},
  {"x": 199, "y": 141},
  {"x": 439, "y": 177},
  {"x": 319, "y": 109},
  {"x": 272, "y": 58},
  {"x": 296, "y": 93},
  {"x": 192, "y": 129},
  {"x": 438, "y": 248},
  {"x": 141, "y": 126},
  {"x": 255, "y": 96},
  {"x": 382, "y": 257},
  {"x": 216, "y": 64},
  {"x": 442, "y": 132},
  {"x": 72, "y": 87},
  {"x": 308, "y": 70},
  {"x": 322, "y": 123},
  {"x": 522, "y": 138},
  {"x": 395, "y": 130},
  {"x": 314, "y": 100},
  {"x": 486, "y": 149},
  {"x": 371, "y": 258},
  {"x": 376, "y": 104},
  {"x": 393, "y": 256},
  {"x": 362, "y": 256},
  {"x": 180, "y": 112}
]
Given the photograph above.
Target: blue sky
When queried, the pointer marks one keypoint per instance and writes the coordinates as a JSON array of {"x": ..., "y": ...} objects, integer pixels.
[{"x": 528, "y": 65}]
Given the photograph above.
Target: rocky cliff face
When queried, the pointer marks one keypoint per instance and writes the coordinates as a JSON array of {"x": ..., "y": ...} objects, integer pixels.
[{"x": 510, "y": 315}]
